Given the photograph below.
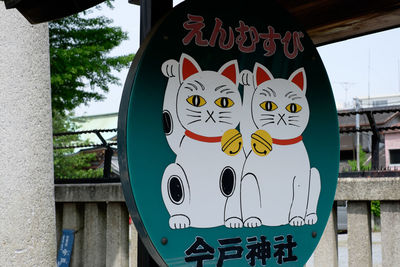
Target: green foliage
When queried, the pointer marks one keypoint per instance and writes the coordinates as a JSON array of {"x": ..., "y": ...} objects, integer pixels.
[
  {"x": 80, "y": 60},
  {"x": 376, "y": 208},
  {"x": 68, "y": 164},
  {"x": 363, "y": 159}
]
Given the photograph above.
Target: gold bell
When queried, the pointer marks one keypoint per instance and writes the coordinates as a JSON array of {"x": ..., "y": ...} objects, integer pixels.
[
  {"x": 231, "y": 142},
  {"x": 261, "y": 143}
]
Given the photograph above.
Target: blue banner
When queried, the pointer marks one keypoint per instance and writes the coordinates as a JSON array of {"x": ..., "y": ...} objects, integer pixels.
[{"x": 65, "y": 251}]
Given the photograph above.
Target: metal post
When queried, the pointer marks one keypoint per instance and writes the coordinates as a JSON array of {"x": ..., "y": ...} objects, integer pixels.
[
  {"x": 357, "y": 104},
  {"x": 108, "y": 153},
  {"x": 150, "y": 12},
  {"x": 375, "y": 139}
]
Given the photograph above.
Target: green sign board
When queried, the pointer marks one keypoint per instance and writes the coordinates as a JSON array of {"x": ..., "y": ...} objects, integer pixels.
[{"x": 228, "y": 138}]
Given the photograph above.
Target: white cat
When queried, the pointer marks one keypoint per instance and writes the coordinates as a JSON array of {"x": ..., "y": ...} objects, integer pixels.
[
  {"x": 278, "y": 185},
  {"x": 201, "y": 111}
]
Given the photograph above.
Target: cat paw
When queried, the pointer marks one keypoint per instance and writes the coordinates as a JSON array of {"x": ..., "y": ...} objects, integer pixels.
[
  {"x": 179, "y": 222},
  {"x": 246, "y": 77},
  {"x": 252, "y": 222},
  {"x": 170, "y": 68},
  {"x": 311, "y": 218},
  {"x": 297, "y": 221},
  {"x": 234, "y": 222}
]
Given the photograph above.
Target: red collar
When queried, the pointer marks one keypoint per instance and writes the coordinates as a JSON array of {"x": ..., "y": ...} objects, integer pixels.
[
  {"x": 203, "y": 138},
  {"x": 285, "y": 142}
]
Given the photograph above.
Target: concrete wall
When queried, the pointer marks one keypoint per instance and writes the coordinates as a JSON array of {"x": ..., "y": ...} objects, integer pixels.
[{"x": 27, "y": 221}]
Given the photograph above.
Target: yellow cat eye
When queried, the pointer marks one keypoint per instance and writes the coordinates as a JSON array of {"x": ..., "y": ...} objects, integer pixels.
[
  {"x": 196, "y": 100},
  {"x": 224, "y": 102},
  {"x": 293, "y": 108},
  {"x": 268, "y": 105}
]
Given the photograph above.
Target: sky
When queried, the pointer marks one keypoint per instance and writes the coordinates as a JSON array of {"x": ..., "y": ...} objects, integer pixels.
[{"x": 359, "y": 67}]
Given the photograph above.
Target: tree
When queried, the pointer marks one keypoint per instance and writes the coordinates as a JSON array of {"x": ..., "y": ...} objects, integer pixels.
[
  {"x": 80, "y": 60},
  {"x": 68, "y": 164}
]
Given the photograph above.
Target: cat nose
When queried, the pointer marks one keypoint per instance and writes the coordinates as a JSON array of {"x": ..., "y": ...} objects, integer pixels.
[
  {"x": 281, "y": 119},
  {"x": 210, "y": 116}
]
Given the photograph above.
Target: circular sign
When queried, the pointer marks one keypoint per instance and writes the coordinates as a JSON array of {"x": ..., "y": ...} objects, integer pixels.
[{"x": 228, "y": 138}]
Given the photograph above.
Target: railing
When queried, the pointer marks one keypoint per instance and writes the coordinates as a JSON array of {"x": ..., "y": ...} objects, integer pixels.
[
  {"x": 359, "y": 192},
  {"x": 107, "y": 145},
  {"x": 98, "y": 214}
]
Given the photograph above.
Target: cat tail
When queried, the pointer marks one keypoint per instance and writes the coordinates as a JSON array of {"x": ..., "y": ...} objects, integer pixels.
[
  {"x": 247, "y": 126},
  {"x": 172, "y": 128}
]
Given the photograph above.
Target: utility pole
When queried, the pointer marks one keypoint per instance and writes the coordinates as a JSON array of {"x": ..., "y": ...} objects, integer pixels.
[
  {"x": 346, "y": 86},
  {"x": 357, "y": 105}
]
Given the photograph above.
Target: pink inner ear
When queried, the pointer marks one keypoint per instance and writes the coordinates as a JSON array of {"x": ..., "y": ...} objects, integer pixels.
[
  {"x": 299, "y": 80},
  {"x": 230, "y": 73},
  {"x": 188, "y": 69},
  {"x": 261, "y": 76}
]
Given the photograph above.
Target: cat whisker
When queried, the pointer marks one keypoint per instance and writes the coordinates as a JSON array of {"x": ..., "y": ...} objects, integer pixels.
[
  {"x": 224, "y": 112},
  {"x": 294, "y": 124},
  {"x": 225, "y": 122},
  {"x": 290, "y": 120},
  {"x": 195, "y": 116},
  {"x": 268, "y": 115},
  {"x": 293, "y": 116},
  {"x": 267, "y": 123},
  {"x": 265, "y": 119},
  {"x": 194, "y": 121},
  {"x": 224, "y": 117},
  {"x": 196, "y": 111}
]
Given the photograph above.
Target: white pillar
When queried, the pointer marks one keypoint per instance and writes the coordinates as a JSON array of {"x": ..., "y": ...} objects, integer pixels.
[
  {"x": 117, "y": 236},
  {"x": 390, "y": 230},
  {"x": 27, "y": 212},
  {"x": 359, "y": 240},
  {"x": 326, "y": 253}
]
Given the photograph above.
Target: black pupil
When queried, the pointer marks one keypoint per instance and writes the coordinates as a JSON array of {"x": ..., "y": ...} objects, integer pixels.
[
  {"x": 196, "y": 100},
  {"x": 293, "y": 107},
  {"x": 268, "y": 105},
  {"x": 224, "y": 102}
]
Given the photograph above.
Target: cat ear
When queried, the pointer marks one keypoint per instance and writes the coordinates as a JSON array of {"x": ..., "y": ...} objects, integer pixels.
[
  {"x": 299, "y": 78},
  {"x": 262, "y": 74},
  {"x": 187, "y": 67},
  {"x": 231, "y": 71}
]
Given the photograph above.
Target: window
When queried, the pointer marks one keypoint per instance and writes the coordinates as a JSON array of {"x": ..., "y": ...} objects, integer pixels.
[
  {"x": 394, "y": 155},
  {"x": 346, "y": 155}
]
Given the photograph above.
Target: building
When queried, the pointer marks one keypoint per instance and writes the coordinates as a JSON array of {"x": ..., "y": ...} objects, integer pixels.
[
  {"x": 379, "y": 116},
  {"x": 102, "y": 134}
]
